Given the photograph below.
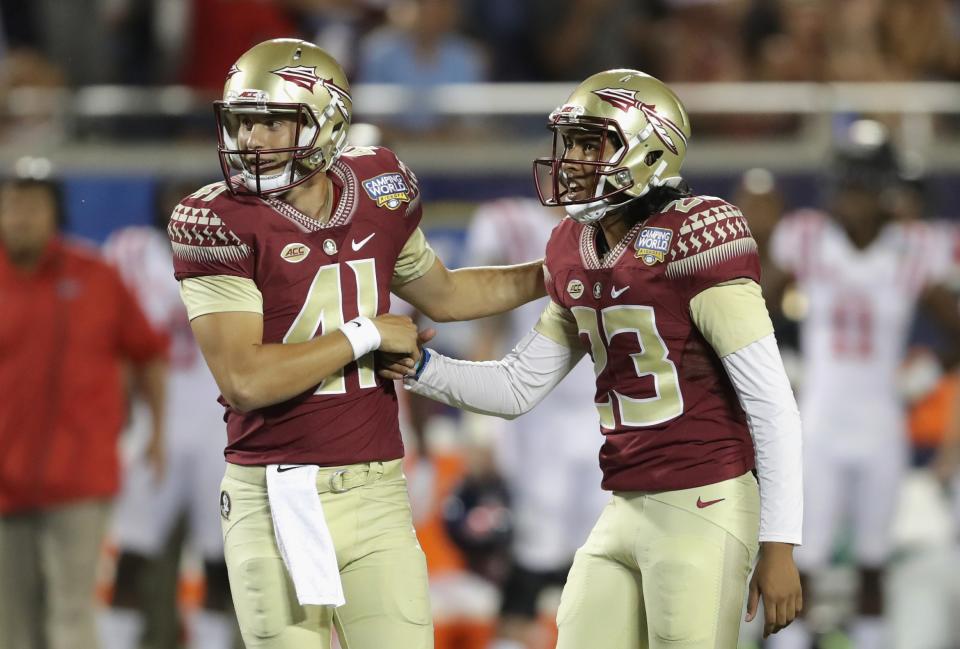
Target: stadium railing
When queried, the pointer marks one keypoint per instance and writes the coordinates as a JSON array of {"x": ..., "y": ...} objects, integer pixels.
[{"x": 786, "y": 127}]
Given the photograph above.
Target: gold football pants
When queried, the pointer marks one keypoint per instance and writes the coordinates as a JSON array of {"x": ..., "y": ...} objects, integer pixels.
[
  {"x": 382, "y": 568},
  {"x": 664, "y": 569}
]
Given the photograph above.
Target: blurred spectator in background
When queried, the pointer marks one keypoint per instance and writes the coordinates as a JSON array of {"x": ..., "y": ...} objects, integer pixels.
[
  {"x": 503, "y": 27},
  {"x": 704, "y": 42},
  {"x": 576, "y": 38},
  {"x": 69, "y": 326},
  {"x": 421, "y": 50},
  {"x": 863, "y": 276},
  {"x": 338, "y": 25},
  {"x": 147, "y": 512},
  {"x": 854, "y": 52},
  {"x": 548, "y": 456},
  {"x": 788, "y": 40},
  {"x": 79, "y": 36},
  {"x": 22, "y": 63},
  {"x": 148, "y": 42},
  {"x": 222, "y": 30},
  {"x": 934, "y": 55}
]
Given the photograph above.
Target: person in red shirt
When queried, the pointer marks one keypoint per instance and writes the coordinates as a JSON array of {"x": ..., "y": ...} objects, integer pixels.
[{"x": 67, "y": 331}]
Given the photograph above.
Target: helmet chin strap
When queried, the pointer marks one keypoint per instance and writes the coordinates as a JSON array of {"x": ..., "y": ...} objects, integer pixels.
[
  {"x": 588, "y": 212},
  {"x": 267, "y": 183},
  {"x": 593, "y": 211}
]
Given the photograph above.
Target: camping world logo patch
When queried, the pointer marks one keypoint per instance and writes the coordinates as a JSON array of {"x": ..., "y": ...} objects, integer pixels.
[
  {"x": 388, "y": 190},
  {"x": 652, "y": 244}
]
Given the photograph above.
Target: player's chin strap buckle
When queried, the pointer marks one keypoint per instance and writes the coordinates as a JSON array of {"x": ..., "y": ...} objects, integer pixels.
[{"x": 337, "y": 482}]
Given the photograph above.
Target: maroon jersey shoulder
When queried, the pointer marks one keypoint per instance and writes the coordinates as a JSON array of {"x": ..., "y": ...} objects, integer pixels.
[
  {"x": 212, "y": 232},
  {"x": 710, "y": 242},
  {"x": 383, "y": 179}
]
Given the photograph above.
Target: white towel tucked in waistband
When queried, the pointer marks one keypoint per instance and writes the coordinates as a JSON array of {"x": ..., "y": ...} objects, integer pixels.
[{"x": 302, "y": 534}]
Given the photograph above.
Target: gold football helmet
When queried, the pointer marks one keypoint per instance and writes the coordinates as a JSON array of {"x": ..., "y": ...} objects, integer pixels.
[
  {"x": 291, "y": 79},
  {"x": 631, "y": 113}
]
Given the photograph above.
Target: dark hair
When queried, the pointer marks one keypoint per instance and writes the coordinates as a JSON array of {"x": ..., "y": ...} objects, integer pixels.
[
  {"x": 655, "y": 199},
  {"x": 52, "y": 187}
]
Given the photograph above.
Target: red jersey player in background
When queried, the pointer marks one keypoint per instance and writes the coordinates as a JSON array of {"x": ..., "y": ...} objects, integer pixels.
[
  {"x": 660, "y": 287},
  {"x": 286, "y": 269}
]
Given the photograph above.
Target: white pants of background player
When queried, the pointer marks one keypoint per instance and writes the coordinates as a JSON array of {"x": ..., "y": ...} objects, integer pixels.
[
  {"x": 147, "y": 511},
  {"x": 851, "y": 481}
]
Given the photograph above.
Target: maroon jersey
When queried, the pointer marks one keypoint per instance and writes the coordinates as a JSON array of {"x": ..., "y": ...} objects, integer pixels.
[
  {"x": 667, "y": 408},
  {"x": 312, "y": 277}
]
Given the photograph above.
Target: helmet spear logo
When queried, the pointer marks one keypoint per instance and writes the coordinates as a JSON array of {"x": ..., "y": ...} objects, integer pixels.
[
  {"x": 624, "y": 99},
  {"x": 299, "y": 75},
  {"x": 306, "y": 78}
]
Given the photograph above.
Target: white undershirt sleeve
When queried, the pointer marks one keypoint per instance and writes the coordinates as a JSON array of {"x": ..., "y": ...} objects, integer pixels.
[
  {"x": 761, "y": 383},
  {"x": 506, "y": 388}
]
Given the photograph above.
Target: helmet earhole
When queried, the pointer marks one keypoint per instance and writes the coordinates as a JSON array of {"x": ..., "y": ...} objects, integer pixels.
[
  {"x": 652, "y": 157},
  {"x": 623, "y": 176}
]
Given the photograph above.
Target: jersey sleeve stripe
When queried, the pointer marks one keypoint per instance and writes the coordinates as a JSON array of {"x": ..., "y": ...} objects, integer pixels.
[
  {"x": 718, "y": 254},
  {"x": 207, "y": 253}
]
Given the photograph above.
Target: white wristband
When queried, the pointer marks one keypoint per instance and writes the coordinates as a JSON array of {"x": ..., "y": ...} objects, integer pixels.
[{"x": 363, "y": 335}]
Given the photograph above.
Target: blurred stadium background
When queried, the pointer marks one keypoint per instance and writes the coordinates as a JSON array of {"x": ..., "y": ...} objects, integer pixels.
[{"x": 113, "y": 98}]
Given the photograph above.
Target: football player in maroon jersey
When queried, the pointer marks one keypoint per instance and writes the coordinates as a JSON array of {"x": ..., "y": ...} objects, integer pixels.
[
  {"x": 286, "y": 268},
  {"x": 660, "y": 287}
]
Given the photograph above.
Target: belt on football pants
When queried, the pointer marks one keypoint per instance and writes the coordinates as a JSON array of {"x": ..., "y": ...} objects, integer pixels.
[{"x": 334, "y": 479}]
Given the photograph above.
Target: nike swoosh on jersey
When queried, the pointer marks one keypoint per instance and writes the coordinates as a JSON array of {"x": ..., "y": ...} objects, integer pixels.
[
  {"x": 617, "y": 292},
  {"x": 357, "y": 245},
  {"x": 700, "y": 503}
]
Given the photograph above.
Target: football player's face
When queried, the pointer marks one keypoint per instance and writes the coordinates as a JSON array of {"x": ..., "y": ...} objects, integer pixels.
[
  {"x": 858, "y": 207},
  {"x": 262, "y": 132},
  {"x": 28, "y": 219},
  {"x": 590, "y": 146}
]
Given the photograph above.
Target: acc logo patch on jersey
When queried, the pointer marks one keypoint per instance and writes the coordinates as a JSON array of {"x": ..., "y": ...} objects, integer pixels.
[
  {"x": 388, "y": 190},
  {"x": 294, "y": 252},
  {"x": 653, "y": 244},
  {"x": 575, "y": 289}
]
